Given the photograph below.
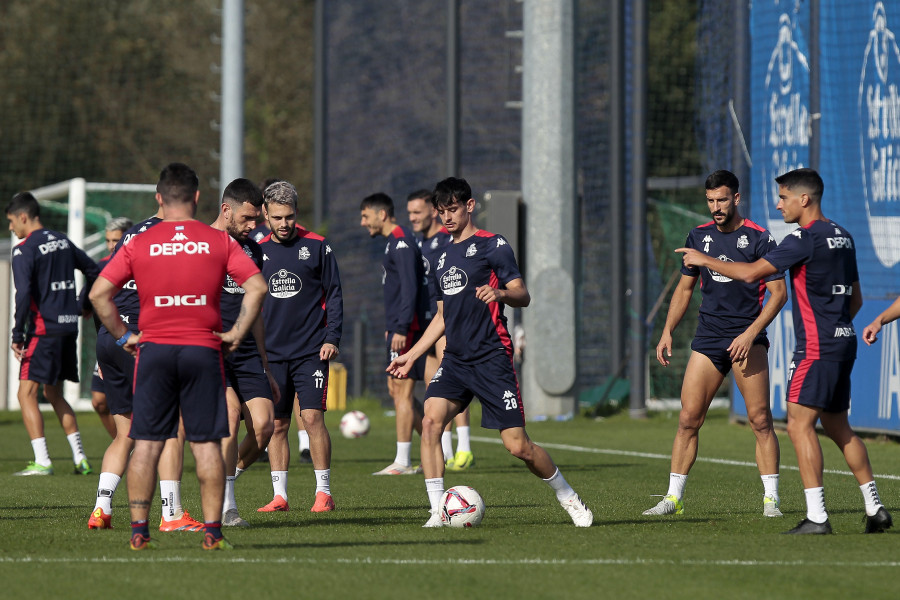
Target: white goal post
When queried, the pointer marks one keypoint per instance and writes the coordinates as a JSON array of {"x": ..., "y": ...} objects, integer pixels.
[{"x": 72, "y": 196}]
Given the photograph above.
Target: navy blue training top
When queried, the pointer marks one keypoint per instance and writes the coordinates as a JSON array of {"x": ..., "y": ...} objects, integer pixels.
[
  {"x": 304, "y": 306},
  {"x": 43, "y": 266},
  {"x": 822, "y": 262},
  {"x": 403, "y": 280}
]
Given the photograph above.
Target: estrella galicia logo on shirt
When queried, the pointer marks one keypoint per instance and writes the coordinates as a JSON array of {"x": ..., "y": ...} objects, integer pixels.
[
  {"x": 284, "y": 284},
  {"x": 453, "y": 281},
  {"x": 230, "y": 287},
  {"x": 718, "y": 276}
]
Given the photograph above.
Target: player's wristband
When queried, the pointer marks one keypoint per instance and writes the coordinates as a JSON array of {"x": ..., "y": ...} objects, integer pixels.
[{"x": 124, "y": 339}]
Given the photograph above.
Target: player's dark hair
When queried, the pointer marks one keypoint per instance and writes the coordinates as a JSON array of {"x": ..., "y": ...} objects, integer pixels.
[
  {"x": 178, "y": 184},
  {"x": 721, "y": 178},
  {"x": 803, "y": 178},
  {"x": 419, "y": 194},
  {"x": 242, "y": 190},
  {"x": 449, "y": 191},
  {"x": 281, "y": 192},
  {"x": 379, "y": 201},
  {"x": 24, "y": 202},
  {"x": 122, "y": 224},
  {"x": 267, "y": 182}
]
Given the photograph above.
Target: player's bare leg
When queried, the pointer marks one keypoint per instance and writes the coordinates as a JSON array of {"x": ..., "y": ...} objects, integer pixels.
[
  {"x": 438, "y": 413},
  {"x": 28, "y": 404},
  {"x": 211, "y": 474},
  {"x": 61, "y": 407},
  {"x": 171, "y": 467},
  {"x": 408, "y": 418},
  {"x": 259, "y": 421},
  {"x": 701, "y": 380},
  {"x": 229, "y": 445},
  {"x": 752, "y": 378},
  {"x": 98, "y": 401},
  {"x": 279, "y": 460},
  {"x": 142, "y": 478},
  {"x": 115, "y": 461},
  {"x": 538, "y": 461},
  {"x": 855, "y": 453},
  {"x": 801, "y": 427},
  {"x": 320, "y": 449}
]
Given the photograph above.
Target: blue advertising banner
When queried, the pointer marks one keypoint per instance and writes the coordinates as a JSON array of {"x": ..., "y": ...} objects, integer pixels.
[
  {"x": 779, "y": 96},
  {"x": 859, "y": 147}
]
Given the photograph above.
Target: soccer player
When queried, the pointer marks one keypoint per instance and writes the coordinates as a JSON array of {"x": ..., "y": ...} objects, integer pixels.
[
  {"x": 477, "y": 275},
  {"x": 179, "y": 266},
  {"x": 45, "y": 326},
  {"x": 425, "y": 222},
  {"x": 115, "y": 229},
  {"x": 303, "y": 314},
  {"x": 118, "y": 372},
  {"x": 731, "y": 334},
  {"x": 891, "y": 313},
  {"x": 821, "y": 257},
  {"x": 250, "y": 387},
  {"x": 405, "y": 308}
]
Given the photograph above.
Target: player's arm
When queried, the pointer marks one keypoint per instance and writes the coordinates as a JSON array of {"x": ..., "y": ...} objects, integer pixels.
[
  {"x": 741, "y": 345},
  {"x": 102, "y": 293},
  {"x": 401, "y": 365},
  {"x": 890, "y": 314},
  {"x": 334, "y": 305},
  {"x": 258, "y": 331},
  {"x": 22, "y": 266},
  {"x": 515, "y": 294},
  {"x": 254, "y": 291},
  {"x": 405, "y": 261},
  {"x": 746, "y": 272},
  {"x": 678, "y": 305},
  {"x": 856, "y": 300}
]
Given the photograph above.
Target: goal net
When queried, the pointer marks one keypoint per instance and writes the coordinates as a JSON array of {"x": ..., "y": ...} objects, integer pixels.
[{"x": 81, "y": 209}]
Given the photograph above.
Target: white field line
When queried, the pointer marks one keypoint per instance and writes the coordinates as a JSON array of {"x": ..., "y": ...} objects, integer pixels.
[
  {"x": 719, "y": 461},
  {"x": 219, "y": 558}
]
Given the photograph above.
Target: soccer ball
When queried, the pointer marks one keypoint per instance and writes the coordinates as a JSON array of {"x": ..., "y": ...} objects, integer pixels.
[
  {"x": 354, "y": 424},
  {"x": 461, "y": 506}
]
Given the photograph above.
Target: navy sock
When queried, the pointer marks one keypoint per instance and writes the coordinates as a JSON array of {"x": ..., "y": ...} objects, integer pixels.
[
  {"x": 215, "y": 528},
  {"x": 141, "y": 527}
]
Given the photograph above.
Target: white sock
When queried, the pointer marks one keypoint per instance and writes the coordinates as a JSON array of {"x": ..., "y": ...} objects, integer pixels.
[
  {"x": 870, "y": 495},
  {"x": 170, "y": 493},
  {"x": 77, "y": 449},
  {"x": 303, "y": 438},
  {"x": 41, "y": 454},
  {"x": 323, "y": 480},
  {"x": 562, "y": 488},
  {"x": 403, "y": 451},
  {"x": 770, "y": 485},
  {"x": 463, "y": 443},
  {"x": 435, "y": 489},
  {"x": 677, "y": 482},
  {"x": 105, "y": 490},
  {"x": 447, "y": 445},
  {"x": 279, "y": 483},
  {"x": 815, "y": 505},
  {"x": 229, "y": 501},
  {"x": 238, "y": 471}
]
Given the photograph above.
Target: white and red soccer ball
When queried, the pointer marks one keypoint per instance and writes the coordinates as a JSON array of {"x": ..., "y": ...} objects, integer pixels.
[
  {"x": 461, "y": 506},
  {"x": 354, "y": 424}
]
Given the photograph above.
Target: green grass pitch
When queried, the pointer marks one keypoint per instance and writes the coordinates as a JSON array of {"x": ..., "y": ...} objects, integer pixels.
[{"x": 373, "y": 545}]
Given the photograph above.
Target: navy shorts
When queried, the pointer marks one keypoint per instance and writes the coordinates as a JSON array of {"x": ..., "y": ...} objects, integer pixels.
[
  {"x": 821, "y": 384},
  {"x": 97, "y": 381},
  {"x": 716, "y": 349},
  {"x": 493, "y": 381},
  {"x": 171, "y": 379},
  {"x": 417, "y": 372},
  {"x": 306, "y": 377},
  {"x": 247, "y": 378},
  {"x": 50, "y": 359},
  {"x": 118, "y": 374}
]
